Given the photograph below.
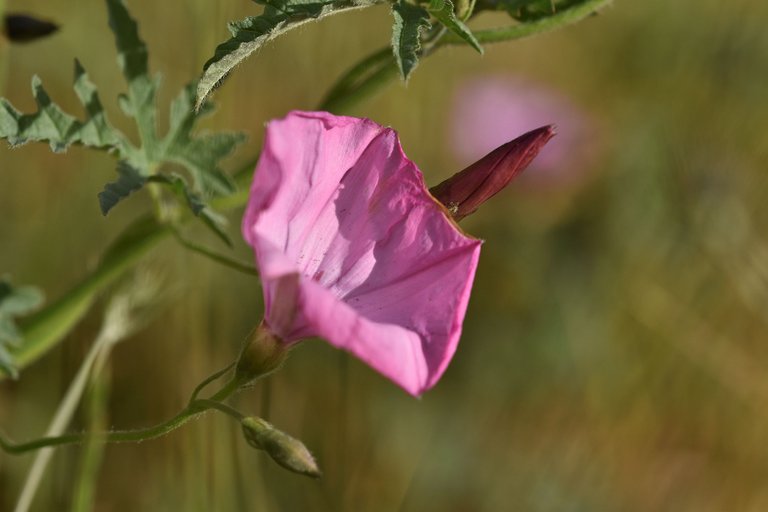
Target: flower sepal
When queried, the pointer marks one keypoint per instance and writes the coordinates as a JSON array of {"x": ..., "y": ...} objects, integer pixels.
[{"x": 262, "y": 354}]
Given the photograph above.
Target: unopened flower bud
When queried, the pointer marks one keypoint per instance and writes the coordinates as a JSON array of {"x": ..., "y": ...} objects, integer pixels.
[
  {"x": 262, "y": 354},
  {"x": 465, "y": 191},
  {"x": 284, "y": 449},
  {"x": 21, "y": 28}
]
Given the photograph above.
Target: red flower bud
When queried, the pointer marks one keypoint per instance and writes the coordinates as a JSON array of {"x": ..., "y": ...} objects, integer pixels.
[{"x": 466, "y": 190}]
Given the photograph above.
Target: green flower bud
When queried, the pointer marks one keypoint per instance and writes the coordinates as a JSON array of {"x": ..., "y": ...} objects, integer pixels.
[{"x": 284, "y": 449}]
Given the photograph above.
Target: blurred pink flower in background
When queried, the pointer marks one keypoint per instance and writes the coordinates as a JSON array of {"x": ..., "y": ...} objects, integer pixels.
[
  {"x": 489, "y": 111},
  {"x": 351, "y": 247}
]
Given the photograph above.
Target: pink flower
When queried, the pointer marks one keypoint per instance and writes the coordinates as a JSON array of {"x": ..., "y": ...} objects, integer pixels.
[{"x": 352, "y": 248}]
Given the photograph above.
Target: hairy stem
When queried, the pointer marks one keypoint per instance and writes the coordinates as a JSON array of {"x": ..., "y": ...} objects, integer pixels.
[
  {"x": 561, "y": 19},
  {"x": 208, "y": 380},
  {"x": 195, "y": 409}
]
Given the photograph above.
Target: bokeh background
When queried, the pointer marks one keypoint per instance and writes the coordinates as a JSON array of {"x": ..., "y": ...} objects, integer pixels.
[{"x": 615, "y": 348}]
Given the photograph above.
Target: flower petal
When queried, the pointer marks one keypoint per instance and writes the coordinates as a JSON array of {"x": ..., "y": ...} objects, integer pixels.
[{"x": 383, "y": 272}]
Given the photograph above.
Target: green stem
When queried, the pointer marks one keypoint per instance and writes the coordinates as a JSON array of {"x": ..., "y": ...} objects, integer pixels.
[
  {"x": 349, "y": 80},
  {"x": 43, "y": 329},
  {"x": 565, "y": 17},
  {"x": 376, "y": 70},
  {"x": 229, "y": 388},
  {"x": 217, "y": 257},
  {"x": 212, "y": 404},
  {"x": 208, "y": 380},
  {"x": 195, "y": 409},
  {"x": 368, "y": 87},
  {"x": 123, "y": 436}
]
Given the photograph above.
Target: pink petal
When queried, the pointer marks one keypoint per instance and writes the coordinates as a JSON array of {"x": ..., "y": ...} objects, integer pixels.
[{"x": 383, "y": 272}]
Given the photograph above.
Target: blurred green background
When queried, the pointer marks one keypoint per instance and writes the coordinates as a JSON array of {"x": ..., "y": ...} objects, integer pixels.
[{"x": 614, "y": 351}]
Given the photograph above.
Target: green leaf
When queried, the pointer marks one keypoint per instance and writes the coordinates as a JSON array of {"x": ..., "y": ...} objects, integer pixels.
[
  {"x": 51, "y": 124},
  {"x": 445, "y": 12},
  {"x": 133, "y": 56},
  {"x": 410, "y": 21},
  {"x": 252, "y": 33},
  {"x": 200, "y": 155},
  {"x": 14, "y": 302},
  {"x": 213, "y": 220},
  {"x": 96, "y": 131},
  {"x": 133, "y": 59},
  {"x": 130, "y": 180}
]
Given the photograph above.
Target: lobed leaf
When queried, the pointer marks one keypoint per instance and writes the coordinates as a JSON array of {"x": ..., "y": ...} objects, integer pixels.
[
  {"x": 96, "y": 131},
  {"x": 252, "y": 33},
  {"x": 410, "y": 21},
  {"x": 129, "y": 180},
  {"x": 51, "y": 124},
  {"x": 133, "y": 56},
  {"x": 445, "y": 13},
  {"x": 200, "y": 155},
  {"x": 133, "y": 59}
]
